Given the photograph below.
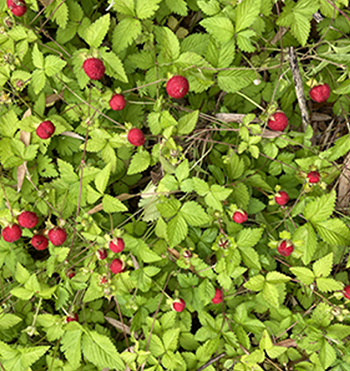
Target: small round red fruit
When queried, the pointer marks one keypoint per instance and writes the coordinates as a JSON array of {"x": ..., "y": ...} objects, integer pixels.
[
  {"x": 117, "y": 245},
  {"x": 285, "y": 248},
  {"x": 282, "y": 198},
  {"x": 101, "y": 254},
  {"x": 136, "y": 137},
  {"x": 240, "y": 217},
  {"x": 320, "y": 93},
  {"x": 217, "y": 297},
  {"x": 117, "y": 102},
  {"x": 28, "y": 219},
  {"x": 347, "y": 292},
  {"x": 12, "y": 233},
  {"x": 177, "y": 87},
  {"x": 278, "y": 121},
  {"x": 17, "y": 7},
  {"x": 117, "y": 266},
  {"x": 57, "y": 236},
  {"x": 94, "y": 68},
  {"x": 72, "y": 318},
  {"x": 70, "y": 274},
  {"x": 39, "y": 242},
  {"x": 45, "y": 130},
  {"x": 313, "y": 176},
  {"x": 178, "y": 305}
]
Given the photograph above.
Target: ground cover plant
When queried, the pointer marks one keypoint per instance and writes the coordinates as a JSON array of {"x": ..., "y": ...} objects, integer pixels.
[{"x": 174, "y": 183}]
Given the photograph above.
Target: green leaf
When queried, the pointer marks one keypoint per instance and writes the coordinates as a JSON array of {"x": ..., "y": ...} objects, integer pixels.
[
  {"x": 256, "y": 283},
  {"x": 182, "y": 171},
  {"x": 321, "y": 208},
  {"x": 276, "y": 277},
  {"x": 177, "y": 230},
  {"x": 221, "y": 28},
  {"x": 156, "y": 346},
  {"x": 250, "y": 257},
  {"x": 71, "y": 347},
  {"x": 22, "y": 274},
  {"x": 22, "y": 293},
  {"x": 305, "y": 275},
  {"x": 244, "y": 41},
  {"x": 139, "y": 162},
  {"x": 306, "y": 233},
  {"x": 53, "y": 65},
  {"x": 327, "y": 354},
  {"x": 169, "y": 208},
  {"x": 246, "y": 13},
  {"x": 38, "y": 81},
  {"x": 323, "y": 266},
  {"x": 125, "y": 33},
  {"x": 170, "y": 339},
  {"x": 328, "y": 284},
  {"x": 8, "y": 320},
  {"x": 334, "y": 232},
  {"x": 125, "y": 7},
  {"x": 37, "y": 57},
  {"x": 194, "y": 214},
  {"x": 177, "y": 6},
  {"x": 249, "y": 237},
  {"x": 340, "y": 148},
  {"x": 187, "y": 123},
  {"x": 265, "y": 341},
  {"x": 102, "y": 178},
  {"x": 112, "y": 205},
  {"x": 139, "y": 248},
  {"x": 97, "y": 31},
  {"x": 209, "y": 7},
  {"x": 146, "y": 8},
  {"x": 114, "y": 66},
  {"x": 168, "y": 42},
  {"x": 270, "y": 294},
  {"x": 233, "y": 81}
]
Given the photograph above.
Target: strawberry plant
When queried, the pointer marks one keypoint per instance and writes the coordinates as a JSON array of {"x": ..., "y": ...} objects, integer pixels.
[{"x": 174, "y": 185}]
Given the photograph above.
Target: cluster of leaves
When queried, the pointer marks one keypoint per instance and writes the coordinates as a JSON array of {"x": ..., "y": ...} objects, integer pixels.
[{"x": 172, "y": 199}]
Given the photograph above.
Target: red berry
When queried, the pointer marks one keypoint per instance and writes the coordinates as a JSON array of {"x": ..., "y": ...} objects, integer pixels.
[
  {"x": 45, "y": 130},
  {"x": 218, "y": 296},
  {"x": 177, "y": 87},
  {"x": 70, "y": 274},
  {"x": 136, "y": 137},
  {"x": 240, "y": 217},
  {"x": 101, "y": 254},
  {"x": 320, "y": 93},
  {"x": 94, "y": 68},
  {"x": 313, "y": 176},
  {"x": 17, "y": 7},
  {"x": 72, "y": 318},
  {"x": 12, "y": 233},
  {"x": 285, "y": 248},
  {"x": 39, "y": 242},
  {"x": 278, "y": 121},
  {"x": 347, "y": 292},
  {"x": 117, "y": 266},
  {"x": 117, "y": 245},
  {"x": 282, "y": 198},
  {"x": 28, "y": 219},
  {"x": 178, "y": 305},
  {"x": 57, "y": 236},
  {"x": 117, "y": 102}
]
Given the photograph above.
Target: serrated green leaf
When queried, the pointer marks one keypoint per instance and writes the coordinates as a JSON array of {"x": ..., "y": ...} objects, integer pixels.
[
  {"x": 114, "y": 66},
  {"x": 139, "y": 162},
  {"x": 97, "y": 31},
  {"x": 37, "y": 57},
  {"x": 170, "y": 339},
  {"x": 8, "y": 320},
  {"x": 277, "y": 277},
  {"x": 38, "y": 81},
  {"x": 327, "y": 354},
  {"x": 177, "y": 6},
  {"x": 334, "y": 232},
  {"x": 246, "y": 13},
  {"x": 125, "y": 33},
  {"x": 112, "y": 205},
  {"x": 255, "y": 283},
  {"x": 321, "y": 208},
  {"x": 328, "y": 284},
  {"x": 146, "y": 8},
  {"x": 194, "y": 214},
  {"x": 210, "y": 7},
  {"x": 168, "y": 42},
  {"x": 305, "y": 275},
  {"x": 102, "y": 178},
  {"x": 221, "y": 28},
  {"x": 53, "y": 65},
  {"x": 250, "y": 257},
  {"x": 306, "y": 233},
  {"x": 323, "y": 266},
  {"x": 182, "y": 171},
  {"x": 187, "y": 123},
  {"x": 249, "y": 237},
  {"x": 156, "y": 346},
  {"x": 177, "y": 230},
  {"x": 270, "y": 294},
  {"x": 233, "y": 81}
]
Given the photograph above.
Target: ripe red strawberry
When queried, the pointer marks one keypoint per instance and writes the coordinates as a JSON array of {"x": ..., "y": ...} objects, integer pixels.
[
  {"x": 282, "y": 198},
  {"x": 28, "y": 219},
  {"x": 70, "y": 274},
  {"x": 313, "y": 176},
  {"x": 101, "y": 254},
  {"x": 240, "y": 217},
  {"x": 347, "y": 292},
  {"x": 117, "y": 245},
  {"x": 117, "y": 102},
  {"x": 117, "y": 266},
  {"x": 320, "y": 93},
  {"x": 218, "y": 296},
  {"x": 45, "y": 130},
  {"x": 12, "y": 233},
  {"x": 177, "y": 87},
  {"x": 72, "y": 318},
  {"x": 17, "y": 7},
  {"x": 94, "y": 68},
  {"x": 178, "y": 305},
  {"x": 39, "y": 242},
  {"x": 136, "y": 137},
  {"x": 278, "y": 121},
  {"x": 285, "y": 248},
  {"x": 57, "y": 236}
]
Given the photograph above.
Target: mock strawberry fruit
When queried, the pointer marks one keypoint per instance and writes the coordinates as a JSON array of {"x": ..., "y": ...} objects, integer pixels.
[
  {"x": 178, "y": 305},
  {"x": 136, "y": 137},
  {"x": 313, "y": 177},
  {"x": 218, "y": 296},
  {"x": 94, "y": 68},
  {"x": 17, "y": 7},
  {"x": 282, "y": 198},
  {"x": 70, "y": 274},
  {"x": 72, "y": 318},
  {"x": 12, "y": 233},
  {"x": 320, "y": 93},
  {"x": 177, "y": 87},
  {"x": 240, "y": 217},
  {"x": 278, "y": 121},
  {"x": 28, "y": 219},
  {"x": 45, "y": 130},
  {"x": 57, "y": 236},
  {"x": 117, "y": 102},
  {"x": 117, "y": 266},
  {"x": 39, "y": 242},
  {"x": 117, "y": 245},
  {"x": 285, "y": 248},
  {"x": 101, "y": 254},
  {"x": 347, "y": 292}
]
